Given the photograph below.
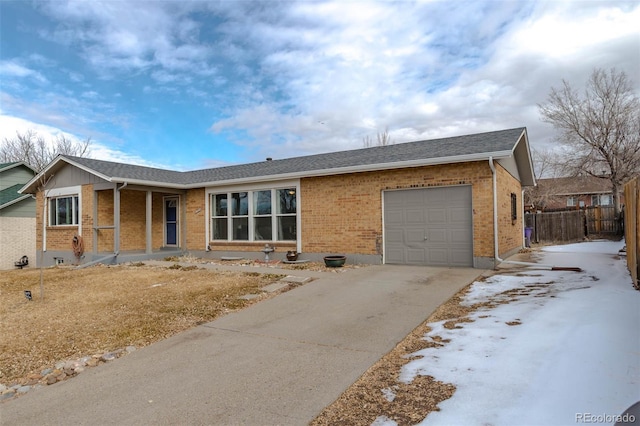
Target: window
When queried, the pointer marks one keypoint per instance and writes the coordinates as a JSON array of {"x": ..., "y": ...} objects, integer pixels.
[
  {"x": 64, "y": 211},
  {"x": 571, "y": 201},
  {"x": 602, "y": 200},
  {"x": 262, "y": 222},
  {"x": 219, "y": 223},
  {"x": 264, "y": 215},
  {"x": 514, "y": 207},
  {"x": 286, "y": 214},
  {"x": 240, "y": 215}
]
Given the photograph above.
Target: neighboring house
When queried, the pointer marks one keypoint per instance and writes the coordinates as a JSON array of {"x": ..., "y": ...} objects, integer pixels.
[
  {"x": 431, "y": 202},
  {"x": 17, "y": 215},
  {"x": 568, "y": 192}
]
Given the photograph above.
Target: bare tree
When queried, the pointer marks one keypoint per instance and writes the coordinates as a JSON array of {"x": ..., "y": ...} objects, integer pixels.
[
  {"x": 600, "y": 129},
  {"x": 34, "y": 150},
  {"x": 383, "y": 139},
  {"x": 544, "y": 166}
]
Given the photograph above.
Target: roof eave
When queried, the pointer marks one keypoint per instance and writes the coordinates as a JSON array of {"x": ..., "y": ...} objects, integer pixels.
[
  {"x": 355, "y": 169},
  {"x": 29, "y": 187},
  {"x": 142, "y": 182},
  {"x": 528, "y": 178},
  {"x": 15, "y": 201},
  {"x": 18, "y": 164}
]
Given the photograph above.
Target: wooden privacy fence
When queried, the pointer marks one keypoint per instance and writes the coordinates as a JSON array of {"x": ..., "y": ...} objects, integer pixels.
[
  {"x": 602, "y": 220},
  {"x": 556, "y": 226},
  {"x": 632, "y": 228},
  {"x": 574, "y": 224}
]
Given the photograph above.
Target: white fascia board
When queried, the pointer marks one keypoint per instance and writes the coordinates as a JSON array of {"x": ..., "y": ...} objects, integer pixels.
[
  {"x": 152, "y": 183},
  {"x": 356, "y": 169},
  {"x": 53, "y": 165},
  {"x": 17, "y": 200},
  {"x": 525, "y": 136},
  {"x": 18, "y": 164}
]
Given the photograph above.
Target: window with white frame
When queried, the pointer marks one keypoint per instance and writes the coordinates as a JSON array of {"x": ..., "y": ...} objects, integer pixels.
[
  {"x": 601, "y": 200},
  {"x": 260, "y": 215},
  {"x": 606, "y": 199},
  {"x": 571, "y": 201},
  {"x": 64, "y": 210}
]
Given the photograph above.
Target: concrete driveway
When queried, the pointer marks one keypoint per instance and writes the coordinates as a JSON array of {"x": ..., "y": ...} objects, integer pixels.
[{"x": 280, "y": 361}]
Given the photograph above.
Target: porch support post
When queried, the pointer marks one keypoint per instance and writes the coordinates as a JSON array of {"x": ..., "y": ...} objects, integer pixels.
[
  {"x": 96, "y": 223},
  {"x": 116, "y": 220},
  {"x": 149, "y": 246}
]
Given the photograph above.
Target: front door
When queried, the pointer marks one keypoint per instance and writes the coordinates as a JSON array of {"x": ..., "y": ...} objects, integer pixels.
[{"x": 171, "y": 221}]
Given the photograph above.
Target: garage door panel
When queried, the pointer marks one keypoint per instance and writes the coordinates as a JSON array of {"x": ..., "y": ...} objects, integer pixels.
[
  {"x": 459, "y": 214},
  {"x": 435, "y": 195},
  {"x": 394, "y": 217},
  {"x": 435, "y": 236},
  {"x": 438, "y": 256},
  {"x": 395, "y": 255},
  {"x": 414, "y": 216},
  {"x": 414, "y": 236},
  {"x": 436, "y": 215},
  {"x": 460, "y": 236},
  {"x": 443, "y": 215},
  {"x": 395, "y": 236},
  {"x": 416, "y": 256}
]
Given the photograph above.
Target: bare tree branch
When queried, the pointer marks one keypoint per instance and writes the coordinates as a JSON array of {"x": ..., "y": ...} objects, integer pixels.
[
  {"x": 37, "y": 152},
  {"x": 383, "y": 139},
  {"x": 600, "y": 128}
]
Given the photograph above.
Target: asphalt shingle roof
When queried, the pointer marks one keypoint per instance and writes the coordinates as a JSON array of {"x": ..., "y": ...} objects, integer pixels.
[
  {"x": 9, "y": 194},
  {"x": 476, "y": 144}
]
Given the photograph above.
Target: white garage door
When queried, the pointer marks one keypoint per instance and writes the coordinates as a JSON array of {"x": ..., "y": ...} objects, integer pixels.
[{"x": 431, "y": 226}]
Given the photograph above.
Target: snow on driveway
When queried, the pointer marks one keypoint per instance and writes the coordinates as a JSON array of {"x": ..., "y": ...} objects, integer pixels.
[{"x": 564, "y": 350}]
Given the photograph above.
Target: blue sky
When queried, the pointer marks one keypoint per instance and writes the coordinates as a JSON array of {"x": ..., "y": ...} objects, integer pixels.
[{"x": 193, "y": 84}]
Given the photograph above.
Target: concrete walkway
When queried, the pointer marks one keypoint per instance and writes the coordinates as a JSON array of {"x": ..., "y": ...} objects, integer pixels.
[{"x": 278, "y": 362}]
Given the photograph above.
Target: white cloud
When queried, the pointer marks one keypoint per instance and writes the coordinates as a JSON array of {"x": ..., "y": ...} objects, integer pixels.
[
  {"x": 361, "y": 67},
  {"x": 10, "y": 126},
  {"x": 13, "y": 68},
  {"x": 301, "y": 77},
  {"x": 130, "y": 36}
]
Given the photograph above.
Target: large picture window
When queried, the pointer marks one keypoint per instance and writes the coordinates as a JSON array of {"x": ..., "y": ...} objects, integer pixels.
[
  {"x": 63, "y": 211},
  {"x": 264, "y": 215}
]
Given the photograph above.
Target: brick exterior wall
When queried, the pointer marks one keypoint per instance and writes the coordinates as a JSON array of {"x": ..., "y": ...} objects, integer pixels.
[
  {"x": 510, "y": 232},
  {"x": 17, "y": 239},
  {"x": 105, "y": 218},
  {"x": 339, "y": 214},
  {"x": 196, "y": 219},
  {"x": 133, "y": 220},
  {"x": 343, "y": 214}
]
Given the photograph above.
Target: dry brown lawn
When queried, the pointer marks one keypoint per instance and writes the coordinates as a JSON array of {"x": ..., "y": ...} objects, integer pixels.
[
  {"x": 103, "y": 308},
  {"x": 99, "y": 309}
]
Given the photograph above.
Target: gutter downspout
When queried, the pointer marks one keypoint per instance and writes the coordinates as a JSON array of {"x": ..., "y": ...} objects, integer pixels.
[{"x": 496, "y": 253}]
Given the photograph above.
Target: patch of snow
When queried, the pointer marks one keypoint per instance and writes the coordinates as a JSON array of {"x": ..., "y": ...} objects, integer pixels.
[
  {"x": 389, "y": 394},
  {"x": 566, "y": 344},
  {"x": 383, "y": 421},
  {"x": 602, "y": 246}
]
